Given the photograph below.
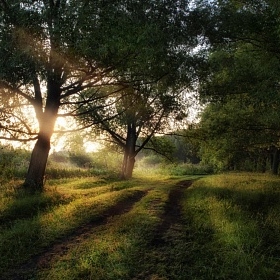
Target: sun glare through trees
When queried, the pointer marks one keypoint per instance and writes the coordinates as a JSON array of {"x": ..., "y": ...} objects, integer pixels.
[{"x": 139, "y": 139}]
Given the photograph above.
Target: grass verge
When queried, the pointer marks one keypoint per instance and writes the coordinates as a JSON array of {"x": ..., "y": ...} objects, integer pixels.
[{"x": 232, "y": 223}]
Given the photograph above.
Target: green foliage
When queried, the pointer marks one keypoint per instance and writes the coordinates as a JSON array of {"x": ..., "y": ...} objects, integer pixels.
[
  {"x": 238, "y": 134},
  {"x": 171, "y": 148},
  {"x": 13, "y": 162},
  {"x": 186, "y": 148},
  {"x": 80, "y": 159},
  {"x": 59, "y": 172},
  {"x": 78, "y": 164},
  {"x": 241, "y": 84},
  {"x": 59, "y": 55},
  {"x": 189, "y": 169},
  {"x": 150, "y": 161},
  {"x": 163, "y": 146}
]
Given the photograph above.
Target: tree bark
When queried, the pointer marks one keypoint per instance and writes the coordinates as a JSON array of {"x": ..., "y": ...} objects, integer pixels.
[
  {"x": 128, "y": 165},
  {"x": 129, "y": 151},
  {"x": 275, "y": 161},
  {"x": 34, "y": 180}
]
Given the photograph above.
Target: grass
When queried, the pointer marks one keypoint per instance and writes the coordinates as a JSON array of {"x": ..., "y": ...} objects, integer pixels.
[
  {"x": 234, "y": 220},
  {"x": 228, "y": 229},
  {"x": 113, "y": 250}
]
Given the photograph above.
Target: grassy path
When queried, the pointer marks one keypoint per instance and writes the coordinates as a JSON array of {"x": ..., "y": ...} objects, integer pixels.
[
  {"x": 159, "y": 208},
  {"x": 172, "y": 214},
  {"x": 61, "y": 247},
  {"x": 218, "y": 227}
]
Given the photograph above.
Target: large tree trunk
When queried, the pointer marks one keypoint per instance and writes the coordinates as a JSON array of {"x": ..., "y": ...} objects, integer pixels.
[
  {"x": 128, "y": 165},
  {"x": 35, "y": 176},
  {"x": 129, "y": 152},
  {"x": 34, "y": 180},
  {"x": 47, "y": 117}
]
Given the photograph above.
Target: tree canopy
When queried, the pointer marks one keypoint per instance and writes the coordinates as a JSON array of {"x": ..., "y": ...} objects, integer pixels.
[
  {"x": 121, "y": 65},
  {"x": 54, "y": 50},
  {"x": 242, "y": 83}
]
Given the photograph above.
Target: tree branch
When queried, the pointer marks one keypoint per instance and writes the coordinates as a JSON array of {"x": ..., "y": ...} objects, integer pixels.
[
  {"x": 16, "y": 91},
  {"x": 18, "y": 139}
]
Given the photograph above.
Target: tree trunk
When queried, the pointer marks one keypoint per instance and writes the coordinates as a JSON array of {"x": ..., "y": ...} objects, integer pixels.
[
  {"x": 34, "y": 180},
  {"x": 128, "y": 165},
  {"x": 263, "y": 160},
  {"x": 129, "y": 151},
  {"x": 275, "y": 161}
]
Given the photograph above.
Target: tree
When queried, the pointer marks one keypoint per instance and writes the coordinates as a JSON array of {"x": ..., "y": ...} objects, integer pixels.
[
  {"x": 144, "y": 107},
  {"x": 243, "y": 50},
  {"x": 238, "y": 134},
  {"x": 243, "y": 62},
  {"x": 133, "y": 117},
  {"x": 55, "y": 49}
]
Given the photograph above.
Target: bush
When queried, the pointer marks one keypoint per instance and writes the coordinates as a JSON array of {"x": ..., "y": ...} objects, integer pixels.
[
  {"x": 13, "y": 162},
  {"x": 69, "y": 165},
  {"x": 80, "y": 159},
  {"x": 152, "y": 160},
  {"x": 190, "y": 169}
]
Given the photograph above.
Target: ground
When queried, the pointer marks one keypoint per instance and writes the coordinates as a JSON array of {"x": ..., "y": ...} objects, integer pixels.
[{"x": 170, "y": 219}]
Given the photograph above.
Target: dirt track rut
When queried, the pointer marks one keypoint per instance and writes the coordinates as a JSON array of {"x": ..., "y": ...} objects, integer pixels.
[
  {"x": 170, "y": 219},
  {"x": 172, "y": 213},
  {"x": 62, "y": 246}
]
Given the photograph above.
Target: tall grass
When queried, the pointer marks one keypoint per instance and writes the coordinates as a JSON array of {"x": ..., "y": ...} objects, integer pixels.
[{"x": 233, "y": 225}]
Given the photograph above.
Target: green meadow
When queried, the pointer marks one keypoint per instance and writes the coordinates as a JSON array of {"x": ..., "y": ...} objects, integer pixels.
[{"x": 155, "y": 226}]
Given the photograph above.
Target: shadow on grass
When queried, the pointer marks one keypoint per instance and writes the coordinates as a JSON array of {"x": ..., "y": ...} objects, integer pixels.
[
  {"x": 31, "y": 222},
  {"x": 57, "y": 239},
  {"x": 24, "y": 205},
  {"x": 235, "y": 232}
]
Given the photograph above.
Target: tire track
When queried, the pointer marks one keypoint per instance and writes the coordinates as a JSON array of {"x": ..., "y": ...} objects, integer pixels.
[
  {"x": 172, "y": 213},
  {"x": 62, "y": 246}
]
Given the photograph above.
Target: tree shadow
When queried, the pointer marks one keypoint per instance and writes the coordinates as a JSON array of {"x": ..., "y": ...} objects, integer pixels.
[
  {"x": 24, "y": 205},
  {"x": 242, "y": 227}
]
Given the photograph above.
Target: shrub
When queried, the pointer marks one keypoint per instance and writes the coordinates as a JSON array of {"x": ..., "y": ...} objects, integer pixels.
[
  {"x": 190, "y": 169},
  {"x": 13, "y": 162}
]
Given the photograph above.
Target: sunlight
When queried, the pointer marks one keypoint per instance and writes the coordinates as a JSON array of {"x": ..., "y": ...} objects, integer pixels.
[
  {"x": 59, "y": 141},
  {"x": 92, "y": 147},
  {"x": 61, "y": 123}
]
